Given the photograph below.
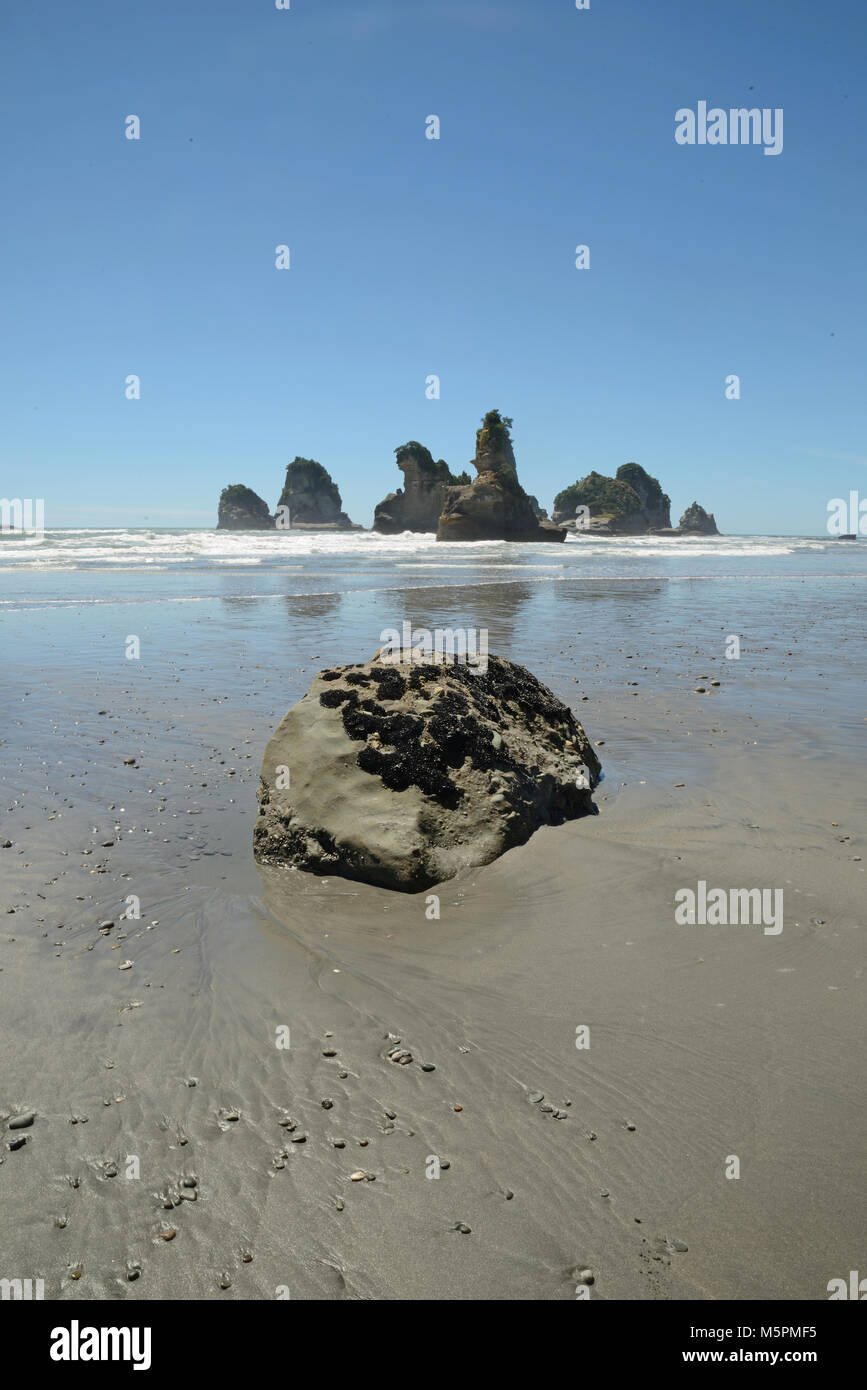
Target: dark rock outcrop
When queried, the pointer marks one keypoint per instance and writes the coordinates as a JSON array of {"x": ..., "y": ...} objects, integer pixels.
[
  {"x": 402, "y": 772},
  {"x": 694, "y": 522},
  {"x": 697, "y": 521},
  {"x": 631, "y": 503},
  {"x": 313, "y": 499},
  {"x": 242, "y": 509},
  {"x": 494, "y": 506},
  {"x": 416, "y": 506}
]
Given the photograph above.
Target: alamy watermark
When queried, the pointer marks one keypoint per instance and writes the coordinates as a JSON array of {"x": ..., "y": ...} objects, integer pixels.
[
  {"x": 737, "y": 126},
  {"x": 22, "y": 1290},
  {"x": 847, "y": 519},
  {"x": 22, "y": 516},
  {"x": 720, "y": 907},
  {"x": 465, "y": 646}
]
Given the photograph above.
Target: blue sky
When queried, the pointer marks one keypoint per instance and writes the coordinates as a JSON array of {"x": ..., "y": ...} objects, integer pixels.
[{"x": 412, "y": 257}]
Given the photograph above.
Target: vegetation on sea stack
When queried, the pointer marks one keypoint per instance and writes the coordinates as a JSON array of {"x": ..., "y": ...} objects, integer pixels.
[
  {"x": 647, "y": 488},
  {"x": 604, "y": 496},
  {"x": 494, "y": 436}
]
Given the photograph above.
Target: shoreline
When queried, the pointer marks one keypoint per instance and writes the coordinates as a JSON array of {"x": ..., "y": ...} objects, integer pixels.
[{"x": 710, "y": 1041}]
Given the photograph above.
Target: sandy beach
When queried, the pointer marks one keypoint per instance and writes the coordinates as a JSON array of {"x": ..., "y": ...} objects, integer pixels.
[{"x": 181, "y": 1149}]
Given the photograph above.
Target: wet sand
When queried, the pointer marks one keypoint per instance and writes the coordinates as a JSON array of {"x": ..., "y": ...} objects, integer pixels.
[{"x": 705, "y": 1042}]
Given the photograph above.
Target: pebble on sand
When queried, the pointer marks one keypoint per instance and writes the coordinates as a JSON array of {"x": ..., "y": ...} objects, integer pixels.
[{"x": 22, "y": 1121}]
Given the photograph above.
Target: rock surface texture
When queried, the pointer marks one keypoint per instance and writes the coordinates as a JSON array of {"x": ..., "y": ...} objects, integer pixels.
[
  {"x": 403, "y": 774},
  {"x": 494, "y": 506},
  {"x": 417, "y": 506},
  {"x": 242, "y": 509},
  {"x": 313, "y": 498}
]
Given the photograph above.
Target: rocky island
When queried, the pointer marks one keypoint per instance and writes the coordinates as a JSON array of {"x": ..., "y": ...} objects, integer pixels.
[
  {"x": 697, "y": 522},
  {"x": 312, "y": 499},
  {"x": 631, "y": 503},
  {"x": 242, "y": 509},
  {"x": 494, "y": 507},
  {"x": 417, "y": 506}
]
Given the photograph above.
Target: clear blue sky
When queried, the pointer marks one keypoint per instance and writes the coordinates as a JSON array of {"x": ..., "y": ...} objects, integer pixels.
[{"x": 411, "y": 256}]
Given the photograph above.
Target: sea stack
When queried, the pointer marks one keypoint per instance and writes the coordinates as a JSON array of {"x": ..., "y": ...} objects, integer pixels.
[
  {"x": 494, "y": 507},
  {"x": 697, "y": 521},
  {"x": 242, "y": 509},
  {"x": 417, "y": 506},
  {"x": 312, "y": 499},
  {"x": 631, "y": 503}
]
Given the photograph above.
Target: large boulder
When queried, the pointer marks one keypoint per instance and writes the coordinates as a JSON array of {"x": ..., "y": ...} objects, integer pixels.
[
  {"x": 631, "y": 503},
  {"x": 404, "y": 770},
  {"x": 416, "y": 506},
  {"x": 313, "y": 499},
  {"x": 494, "y": 507},
  {"x": 242, "y": 509}
]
